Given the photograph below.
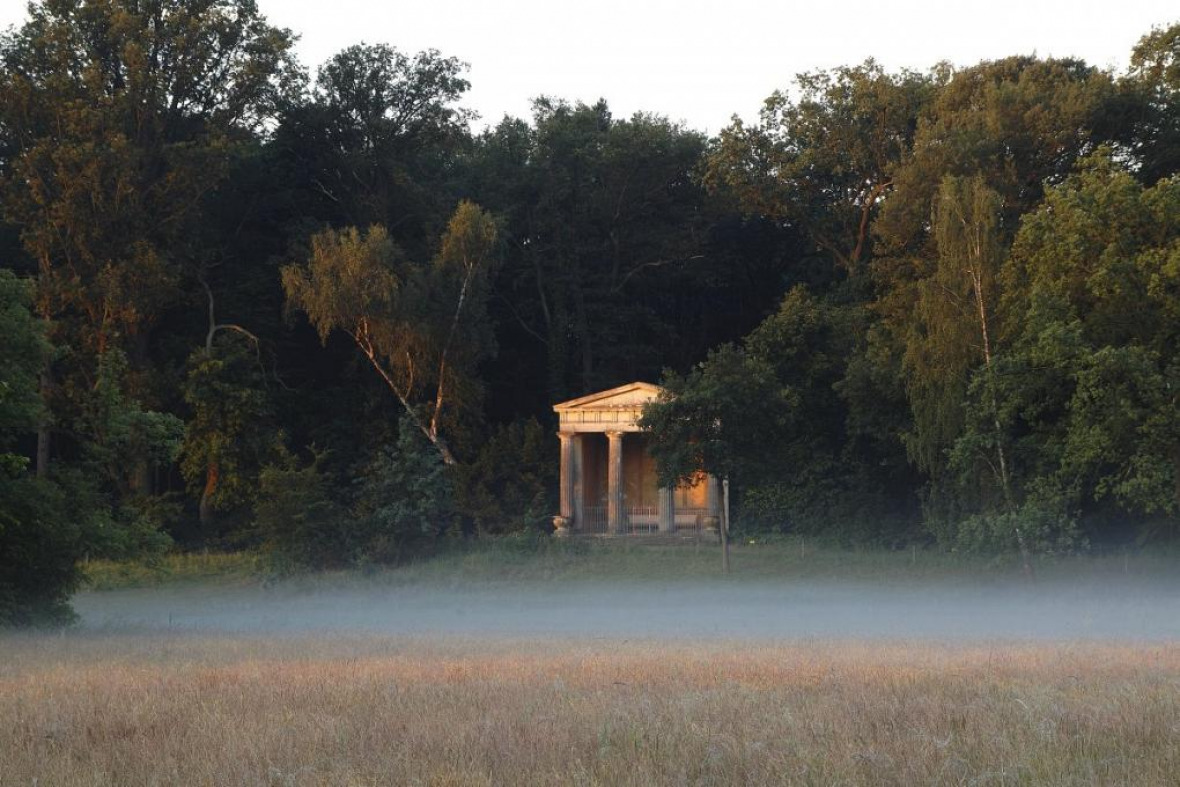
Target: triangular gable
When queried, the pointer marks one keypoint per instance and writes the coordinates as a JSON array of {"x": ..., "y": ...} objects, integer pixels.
[{"x": 626, "y": 396}]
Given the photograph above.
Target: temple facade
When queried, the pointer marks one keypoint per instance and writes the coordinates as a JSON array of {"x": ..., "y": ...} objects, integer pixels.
[{"x": 609, "y": 484}]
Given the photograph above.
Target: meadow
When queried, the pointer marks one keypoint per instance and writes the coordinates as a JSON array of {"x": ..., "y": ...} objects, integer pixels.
[
  {"x": 429, "y": 675},
  {"x": 200, "y": 709}
]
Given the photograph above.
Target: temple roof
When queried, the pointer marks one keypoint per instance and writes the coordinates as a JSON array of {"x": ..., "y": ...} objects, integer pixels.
[{"x": 625, "y": 397}]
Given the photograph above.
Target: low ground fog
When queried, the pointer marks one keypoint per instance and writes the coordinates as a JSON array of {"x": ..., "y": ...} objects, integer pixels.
[{"x": 1103, "y": 608}]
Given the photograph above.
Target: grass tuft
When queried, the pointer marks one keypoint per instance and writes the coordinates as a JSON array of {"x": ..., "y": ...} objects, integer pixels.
[
  {"x": 179, "y": 567},
  {"x": 512, "y": 559}
]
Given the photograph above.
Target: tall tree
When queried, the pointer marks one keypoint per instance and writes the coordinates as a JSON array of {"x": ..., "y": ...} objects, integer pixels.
[
  {"x": 953, "y": 328},
  {"x": 1153, "y": 85},
  {"x": 779, "y": 415},
  {"x": 231, "y": 433},
  {"x": 120, "y": 117},
  {"x": 423, "y": 328},
  {"x": 955, "y": 334},
  {"x": 604, "y": 224},
  {"x": 41, "y": 535},
  {"x": 375, "y": 141},
  {"x": 1019, "y": 124},
  {"x": 826, "y": 161},
  {"x": 1088, "y": 386}
]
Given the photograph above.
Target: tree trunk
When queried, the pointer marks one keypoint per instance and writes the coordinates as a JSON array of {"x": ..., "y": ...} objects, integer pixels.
[
  {"x": 44, "y": 436},
  {"x": 139, "y": 480},
  {"x": 582, "y": 327},
  {"x": 141, "y": 477},
  {"x": 440, "y": 445},
  {"x": 1001, "y": 456},
  {"x": 205, "y": 507}
]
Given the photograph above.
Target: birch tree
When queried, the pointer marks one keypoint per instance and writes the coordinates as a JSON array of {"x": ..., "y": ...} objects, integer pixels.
[
  {"x": 423, "y": 328},
  {"x": 957, "y": 306}
]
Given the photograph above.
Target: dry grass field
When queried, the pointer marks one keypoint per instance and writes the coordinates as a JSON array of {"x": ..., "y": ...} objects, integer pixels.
[{"x": 149, "y": 708}]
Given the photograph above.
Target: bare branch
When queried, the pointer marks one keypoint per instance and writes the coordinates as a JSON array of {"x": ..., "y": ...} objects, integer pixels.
[{"x": 654, "y": 264}]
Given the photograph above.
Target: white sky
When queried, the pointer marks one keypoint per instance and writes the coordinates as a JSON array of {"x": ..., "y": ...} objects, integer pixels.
[{"x": 695, "y": 61}]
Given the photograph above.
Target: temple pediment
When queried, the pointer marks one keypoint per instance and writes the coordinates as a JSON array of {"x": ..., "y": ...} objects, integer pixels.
[{"x": 617, "y": 409}]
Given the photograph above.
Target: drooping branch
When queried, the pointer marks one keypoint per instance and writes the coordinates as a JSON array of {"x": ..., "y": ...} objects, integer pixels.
[
  {"x": 214, "y": 326},
  {"x": 653, "y": 264}
]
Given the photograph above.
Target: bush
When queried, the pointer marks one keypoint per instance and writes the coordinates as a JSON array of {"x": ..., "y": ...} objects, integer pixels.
[
  {"x": 1043, "y": 530},
  {"x": 510, "y": 486},
  {"x": 405, "y": 498},
  {"x": 296, "y": 518},
  {"x": 39, "y": 548}
]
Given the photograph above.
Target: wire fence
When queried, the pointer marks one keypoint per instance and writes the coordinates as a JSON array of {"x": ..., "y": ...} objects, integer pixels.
[{"x": 643, "y": 520}]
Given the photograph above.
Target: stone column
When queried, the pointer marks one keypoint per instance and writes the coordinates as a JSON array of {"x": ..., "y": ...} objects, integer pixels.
[
  {"x": 616, "y": 517},
  {"x": 565, "y": 518},
  {"x": 667, "y": 509},
  {"x": 711, "y": 522},
  {"x": 578, "y": 486},
  {"x": 713, "y": 495}
]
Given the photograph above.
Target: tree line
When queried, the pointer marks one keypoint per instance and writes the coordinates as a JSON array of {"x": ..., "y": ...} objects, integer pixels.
[{"x": 250, "y": 304}]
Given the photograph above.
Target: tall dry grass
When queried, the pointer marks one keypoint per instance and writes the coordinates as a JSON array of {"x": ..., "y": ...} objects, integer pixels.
[{"x": 139, "y": 709}]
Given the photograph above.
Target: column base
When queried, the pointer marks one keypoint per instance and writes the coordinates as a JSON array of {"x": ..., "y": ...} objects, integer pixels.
[{"x": 561, "y": 526}]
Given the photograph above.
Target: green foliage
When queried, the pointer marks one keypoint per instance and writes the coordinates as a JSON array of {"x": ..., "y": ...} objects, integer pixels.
[
  {"x": 174, "y": 567},
  {"x": 230, "y": 435},
  {"x": 1020, "y": 122},
  {"x": 48, "y": 524},
  {"x": 39, "y": 548},
  {"x": 605, "y": 226},
  {"x": 509, "y": 485},
  {"x": 776, "y": 416},
  {"x": 1044, "y": 528},
  {"x": 895, "y": 308},
  {"x": 949, "y": 332},
  {"x": 404, "y": 499},
  {"x": 296, "y": 518},
  {"x": 121, "y": 116},
  {"x": 423, "y": 328},
  {"x": 38, "y": 543},
  {"x": 375, "y": 141},
  {"x": 22, "y": 357},
  {"x": 825, "y": 161},
  {"x": 1087, "y": 391},
  {"x": 1153, "y": 89},
  {"x": 378, "y": 96},
  {"x": 119, "y": 431},
  {"x": 351, "y": 279},
  {"x": 117, "y": 119},
  {"x": 399, "y": 503}
]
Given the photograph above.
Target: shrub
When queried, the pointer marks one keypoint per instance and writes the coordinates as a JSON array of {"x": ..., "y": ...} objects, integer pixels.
[
  {"x": 405, "y": 498},
  {"x": 510, "y": 485},
  {"x": 296, "y": 518}
]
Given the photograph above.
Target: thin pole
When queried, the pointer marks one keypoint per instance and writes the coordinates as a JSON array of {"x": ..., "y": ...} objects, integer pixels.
[{"x": 725, "y": 525}]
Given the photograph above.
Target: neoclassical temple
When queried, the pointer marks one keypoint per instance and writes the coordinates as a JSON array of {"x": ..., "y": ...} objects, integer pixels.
[{"x": 609, "y": 484}]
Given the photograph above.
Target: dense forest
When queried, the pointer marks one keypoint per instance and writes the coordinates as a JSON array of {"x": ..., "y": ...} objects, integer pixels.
[{"x": 250, "y": 304}]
